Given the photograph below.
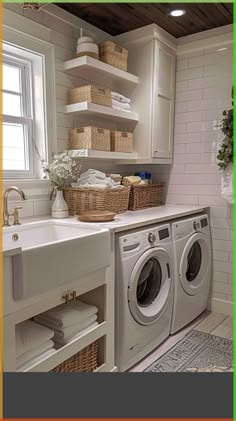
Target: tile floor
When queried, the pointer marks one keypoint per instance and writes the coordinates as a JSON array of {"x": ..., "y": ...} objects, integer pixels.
[{"x": 214, "y": 323}]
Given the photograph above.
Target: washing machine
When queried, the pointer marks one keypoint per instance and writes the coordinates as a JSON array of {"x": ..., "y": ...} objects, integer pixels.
[
  {"x": 192, "y": 255},
  {"x": 144, "y": 293}
]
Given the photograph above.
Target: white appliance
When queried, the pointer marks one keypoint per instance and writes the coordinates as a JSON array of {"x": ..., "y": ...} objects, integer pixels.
[
  {"x": 192, "y": 253},
  {"x": 144, "y": 293}
]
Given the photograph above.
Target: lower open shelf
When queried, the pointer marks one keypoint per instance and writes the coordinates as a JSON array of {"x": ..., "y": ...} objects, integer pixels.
[{"x": 70, "y": 349}]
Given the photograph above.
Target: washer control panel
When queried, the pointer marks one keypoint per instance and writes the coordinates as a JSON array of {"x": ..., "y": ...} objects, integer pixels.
[
  {"x": 145, "y": 239},
  {"x": 186, "y": 227}
]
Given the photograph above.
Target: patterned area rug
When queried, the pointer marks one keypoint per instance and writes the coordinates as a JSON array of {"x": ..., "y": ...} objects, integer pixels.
[{"x": 196, "y": 352}]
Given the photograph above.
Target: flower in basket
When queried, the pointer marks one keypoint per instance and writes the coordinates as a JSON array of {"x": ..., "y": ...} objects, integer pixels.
[{"x": 63, "y": 169}]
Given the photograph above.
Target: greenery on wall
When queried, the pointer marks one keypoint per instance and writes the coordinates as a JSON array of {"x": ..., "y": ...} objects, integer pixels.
[{"x": 225, "y": 153}]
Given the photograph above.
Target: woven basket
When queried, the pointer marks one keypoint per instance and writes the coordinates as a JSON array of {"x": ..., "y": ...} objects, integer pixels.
[
  {"x": 114, "y": 55},
  {"x": 85, "y": 360},
  {"x": 121, "y": 141},
  {"x": 113, "y": 200},
  {"x": 90, "y": 138},
  {"x": 146, "y": 196},
  {"x": 90, "y": 93}
]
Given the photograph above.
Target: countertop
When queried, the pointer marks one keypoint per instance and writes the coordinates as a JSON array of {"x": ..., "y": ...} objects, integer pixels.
[{"x": 135, "y": 219}]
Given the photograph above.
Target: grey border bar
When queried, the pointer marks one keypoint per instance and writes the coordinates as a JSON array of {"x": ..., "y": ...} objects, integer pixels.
[{"x": 118, "y": 395}]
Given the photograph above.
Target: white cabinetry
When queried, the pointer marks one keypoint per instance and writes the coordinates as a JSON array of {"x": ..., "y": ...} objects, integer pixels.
[{"x": 152, "y": 58}]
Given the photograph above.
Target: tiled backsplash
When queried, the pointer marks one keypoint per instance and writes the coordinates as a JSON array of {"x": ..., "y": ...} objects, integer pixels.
[{"x": 203, "y": 91}]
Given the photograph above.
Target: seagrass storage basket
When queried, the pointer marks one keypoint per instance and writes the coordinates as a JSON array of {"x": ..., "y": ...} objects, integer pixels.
[
  {"x": 121, "y": 141},
  {"x": 85, "y": 360},
  {"x": 146, "y": 196},
  {"x": 90, "y": 138},
  {"x": 114, "y": 55},
  {"x": 113, "y": 200},
  {"x": 90, "y": 93}
]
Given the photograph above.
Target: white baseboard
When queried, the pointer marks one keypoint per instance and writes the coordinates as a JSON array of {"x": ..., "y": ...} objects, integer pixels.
[{"x": 221, "y": 306}]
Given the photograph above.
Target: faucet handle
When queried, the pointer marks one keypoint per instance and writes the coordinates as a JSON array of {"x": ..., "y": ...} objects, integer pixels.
[{"x": 16, "y": 216}]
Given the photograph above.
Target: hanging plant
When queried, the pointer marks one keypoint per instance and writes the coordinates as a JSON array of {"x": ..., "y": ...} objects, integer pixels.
[{"x": 225, "y": 155}]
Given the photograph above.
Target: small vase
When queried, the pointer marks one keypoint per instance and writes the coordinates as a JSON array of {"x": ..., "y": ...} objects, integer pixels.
[{"x": 59, "y": 207}]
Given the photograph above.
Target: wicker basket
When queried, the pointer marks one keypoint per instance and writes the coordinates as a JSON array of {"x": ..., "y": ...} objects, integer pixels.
[
  {"x": 90, "y": 93},
  {"x": 114, "y": 55},
  {"x": 85, "y": 360},
  {"x": 90, "y": 138},
  {"x": 121, "y": 141},
  {"x": 113, "y": 200},
  {"x": 146, "y": 196}
]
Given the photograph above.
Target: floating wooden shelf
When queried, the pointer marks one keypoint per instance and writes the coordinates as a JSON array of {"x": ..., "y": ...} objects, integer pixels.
[
  {"x": 88, "y": 109},
  {"x": 97, "y": 72},
  {"x": 104, "y": 155}
]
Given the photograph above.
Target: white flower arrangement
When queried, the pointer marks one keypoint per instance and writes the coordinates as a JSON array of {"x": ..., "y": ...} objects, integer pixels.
[{"x": 63, "y": 168}]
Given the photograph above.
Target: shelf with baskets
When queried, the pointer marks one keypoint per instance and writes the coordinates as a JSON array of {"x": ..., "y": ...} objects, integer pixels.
[
  {"x": 71, "y": 349},
  {"x": 104, "y": 155},
  {"x": 101, "y": 73},
  {"x": 89, "y": 109}
]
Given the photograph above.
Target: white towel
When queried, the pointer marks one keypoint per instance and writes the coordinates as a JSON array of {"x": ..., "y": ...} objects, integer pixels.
[
  {"x": 92, "y": 186},
  {"x": 30, "y": 355},
  {"x": 120, "y": 104},
  {"x": 67, "y": 314},
  {"x": 120, "y": 109},
  {"x": 67, "y": 334},
  {"x": 30, "y": 335},
  {"x": 98, "y": 174},
  {"x": 59, "y": 344},
  {"x": 119, "y": 97},
  {"x": 66, "y": 331},
  {"x": 36, "y": 360},
  {"x": 93, "y": 180}
]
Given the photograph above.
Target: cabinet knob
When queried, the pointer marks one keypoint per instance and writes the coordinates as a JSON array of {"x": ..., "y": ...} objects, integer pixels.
[
  {"x": 73, "y": 295},
  {"x": 66, "y": 297}
]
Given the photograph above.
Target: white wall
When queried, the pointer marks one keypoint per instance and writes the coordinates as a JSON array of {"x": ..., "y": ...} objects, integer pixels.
[{"x": 203, "y": 91}]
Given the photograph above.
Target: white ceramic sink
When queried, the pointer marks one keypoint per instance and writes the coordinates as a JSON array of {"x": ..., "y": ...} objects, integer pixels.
[{"x": 50, "y": 253}]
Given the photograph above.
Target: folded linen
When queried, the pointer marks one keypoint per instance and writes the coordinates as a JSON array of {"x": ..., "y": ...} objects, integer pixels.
[
  {"x": 96, "y": 173},
  {"x": 30, "y": 335},
  {"x": 67, "y": 314},
  {"x": 119, "y": 97},
  {"x": 30, "y": 355},
  {"x": 66, "y": 331},
  {"x": 92, "y": 180},
  {"x": 120, "y": 109},
  {"x": 61, "y": 337},
  {"x": 92, "y": 186},
  {"x": 36, "y": 360},
  {"x": 132, "y": 179},
  {"x": 120, "y": 104},
  {"x": 59, "y": 344}
]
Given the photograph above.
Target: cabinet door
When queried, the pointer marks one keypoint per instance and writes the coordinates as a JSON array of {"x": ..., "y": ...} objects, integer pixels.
[{"x": 163, "y": 101}]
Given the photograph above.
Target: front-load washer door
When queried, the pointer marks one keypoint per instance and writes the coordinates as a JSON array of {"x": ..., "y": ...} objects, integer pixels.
[
  {"x": 149, "y": 286},
  {"x": 194, "y": 264}
]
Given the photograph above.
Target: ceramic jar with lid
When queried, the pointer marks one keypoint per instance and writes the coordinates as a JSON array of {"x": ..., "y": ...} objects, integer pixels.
[{"x": 87, "y": 47}]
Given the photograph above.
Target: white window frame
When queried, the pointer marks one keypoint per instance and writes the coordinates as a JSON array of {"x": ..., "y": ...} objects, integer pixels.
[
  {"x": 43, "y": 106},
  {"x": 27, "y": 119}
]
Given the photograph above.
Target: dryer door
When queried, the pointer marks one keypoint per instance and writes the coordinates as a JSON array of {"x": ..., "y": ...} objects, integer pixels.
[
  {"x": 149, "y": 286},
  {"x": 194, "y": 264}
]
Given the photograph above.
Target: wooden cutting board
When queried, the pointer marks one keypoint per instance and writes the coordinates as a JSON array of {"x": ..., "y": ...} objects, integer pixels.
[{"x": 95, "y": 216}]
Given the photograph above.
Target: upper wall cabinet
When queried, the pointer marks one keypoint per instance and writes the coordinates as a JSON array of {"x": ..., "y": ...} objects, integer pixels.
[{"x": 152, "y": 56}]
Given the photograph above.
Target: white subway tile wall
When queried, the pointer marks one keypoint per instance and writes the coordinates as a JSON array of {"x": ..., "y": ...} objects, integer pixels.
[{"x": 203, "y": 90}]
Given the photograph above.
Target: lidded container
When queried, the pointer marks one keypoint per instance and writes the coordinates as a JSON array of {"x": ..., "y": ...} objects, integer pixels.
[{"x": 86, "y": 46}]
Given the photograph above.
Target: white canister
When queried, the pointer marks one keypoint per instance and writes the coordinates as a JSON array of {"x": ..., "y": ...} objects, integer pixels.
[
  {"x": 87, "y": 46},
  {"x": 60, "y": 207}
]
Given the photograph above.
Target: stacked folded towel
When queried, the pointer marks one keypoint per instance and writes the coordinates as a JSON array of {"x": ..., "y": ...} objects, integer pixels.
[
  {"x": 120, "y": 102},
  {"x": 69, "y": 321},
  {"x": 33, "y": 343},
  {"x": 96, "y": 179}
]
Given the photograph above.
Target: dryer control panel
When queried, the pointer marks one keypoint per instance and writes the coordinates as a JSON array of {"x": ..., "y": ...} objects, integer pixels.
[
  {"x": 145, "y": 239},
  {"x": 184, "y": 228}
]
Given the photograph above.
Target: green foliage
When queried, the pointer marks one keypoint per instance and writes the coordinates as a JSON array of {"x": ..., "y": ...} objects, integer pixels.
[{"x": 225, "y": 153}]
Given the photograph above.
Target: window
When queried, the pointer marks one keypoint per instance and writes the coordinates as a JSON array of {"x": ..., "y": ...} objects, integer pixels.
[
  {"x": 28, "y": 91},
  {"x": 17, "y": 116}
]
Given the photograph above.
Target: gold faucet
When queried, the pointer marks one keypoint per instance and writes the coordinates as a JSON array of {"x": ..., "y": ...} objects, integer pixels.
[{"x": 6, "y": 213}]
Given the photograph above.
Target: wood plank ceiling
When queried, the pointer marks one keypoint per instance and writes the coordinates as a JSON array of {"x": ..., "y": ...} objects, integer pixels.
[{"x": 123, "y": 17}]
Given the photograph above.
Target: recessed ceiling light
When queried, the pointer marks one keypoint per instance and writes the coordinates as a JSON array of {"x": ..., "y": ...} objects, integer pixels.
[
  {"x": 177, "y": 12},
  {"x": 222, "y": 49}
]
